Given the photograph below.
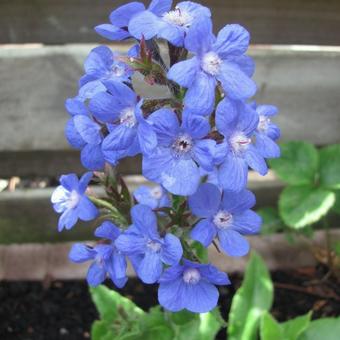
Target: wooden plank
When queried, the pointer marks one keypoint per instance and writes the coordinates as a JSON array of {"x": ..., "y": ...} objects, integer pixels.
[
  {"x": 278, "y": 22},
  {"x": 50, "y": 261},
  {"x": 303, "y": 83},
  {"x": 26, "y": 216}
]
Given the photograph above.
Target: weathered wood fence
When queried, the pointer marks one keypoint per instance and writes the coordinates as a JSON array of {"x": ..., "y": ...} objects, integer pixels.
[{"x": 41, "y": 70}]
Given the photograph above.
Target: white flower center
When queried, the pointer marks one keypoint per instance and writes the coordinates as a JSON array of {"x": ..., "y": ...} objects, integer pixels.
[
  {"x": 154, "y": 246},
  {"x": 191, "y": 276},
  {"x": 178, "y": 17},
  {"x": 223, "y": 219},
  {"x": 156, "y": 192},
  {"x": 211, "y": 63},
  {"x": 182, "y": 145},
  {"x": 118, "y": 70},
  {"x": 239, "y": 142},
  {"x": 264, "y": 121},
  {"x": 73, "y": 200},
  {"x": 128, "y": 118}
]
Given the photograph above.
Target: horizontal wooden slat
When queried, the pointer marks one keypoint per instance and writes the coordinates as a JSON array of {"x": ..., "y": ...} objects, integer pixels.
[
  {"x": 278, "y": 22},
  {"x": 50, "y": 261},
  {"x": 27, "y": 215},
  {"x": 303, "y": 83}
]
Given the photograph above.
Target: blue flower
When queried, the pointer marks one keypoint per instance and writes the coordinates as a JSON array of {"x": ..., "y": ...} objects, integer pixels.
[
  {"x": 70, "y": 200},
  {"x": 171, "y": 25},
  {"x": 267, "y": 133},
  {"x": 215, "y": 60},
  {"x": 181, "y": 151},
  {"x": 154, "y": 197},
  {"x": 147, "y": 249},
  {"x": 237, "y": 122},
  {"x": 121, "y": 17},
  {"x": 227, "y": 216},
  {"x": 190, "y": 286},
  {"x": 107, "y": 260},
  {"x": 102, "y": 64},
  {"x": 129, "y": 132},
  {"x": 83, "y": 133}
]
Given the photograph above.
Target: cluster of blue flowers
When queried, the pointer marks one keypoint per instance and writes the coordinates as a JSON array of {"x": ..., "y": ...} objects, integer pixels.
[{"x": 197, "y": 147}]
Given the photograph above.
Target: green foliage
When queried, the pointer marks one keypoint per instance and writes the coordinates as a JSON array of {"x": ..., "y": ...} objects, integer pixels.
[
  {"x": 290, "y": 330},
  {"x": 313, "y": 178},
  {"x": 330, "y": 167},
  {"x": 271, "y": 221},
  {"x": 298, "y": 163},
  {"x": 121, "y": 319},
  {"x": 327, "y": 329},
  {"x": 302, "y": 205},
  {"x": 252, "y": 299}
]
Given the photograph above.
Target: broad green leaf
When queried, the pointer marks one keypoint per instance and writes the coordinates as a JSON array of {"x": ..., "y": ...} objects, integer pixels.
[
  {"x": 322, "y": 329},
  {"x": 289, "y": 330},
  {"x": 110, "y": 304},
  {"x": 302, "y": 205},
  {"x": 271, "y": 221},
  {"x": 330, "y": 167},
  {"x": 182, "y": 317},
  {"x": 252, "y": 299},
  {"x": 209, "y": 326},
  {"x": 336, "y": 206},
  {"x": 298, "y": 163},
  {"x": 293, "y": 328},
  {"x": 270, "y": 329},
  {"x": 100, "y": 330},
  {"x": 200, "y": 251}
]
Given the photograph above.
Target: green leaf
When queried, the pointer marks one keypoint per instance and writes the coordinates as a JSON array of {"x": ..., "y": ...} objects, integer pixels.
[
  {"x": 200, "y": 251},
  {"x": 209, "y": 326},
  {"x": 336, "y": 206},
  {"x": 100, "y": 330},
  {"x": 330, "y": 167},
  {"x": 272, "y": 222},
  {"x": 327, "y": 329},
  {"x": 298, "y": 163},
  {"x": 252, "y": 299},
  {"x": 303, "y": 205},
  {"x": 292, "y": 329},
  {"x": 270, "y": 329},
  {"x": 111, "y": 304}
]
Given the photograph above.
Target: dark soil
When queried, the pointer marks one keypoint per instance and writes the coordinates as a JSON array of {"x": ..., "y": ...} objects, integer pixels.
[{"x": 63, "y": 309}]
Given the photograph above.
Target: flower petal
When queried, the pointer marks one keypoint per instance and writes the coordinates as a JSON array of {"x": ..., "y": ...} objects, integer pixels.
[
  {"x": 171, "y": 295},
  {"x": 130, "y": 244},
  {"x": 233, "y": 243},
  {"x": 235, "y": 82},
  {"x": 236, "y": 202},
  {"x": 112, "y": 32},
  {"x": 121, "y": 16},
  {"x": 204, "y": 232},
  {"x": 160, "y": 6},
  {"x": 151, "y": 267},
  {"x": 105, "y": 107},
  {"x": 145, "y": 220},
  {"x": 95, "y": 275},
  {"x": 75, "y": 107},
  {"x": 200, "y": 38},
  {"x": 213, "y": 275},
  {"x": 145, "y": 24},
  {"x": 87, "y": 211},
  {"x": 204, "y": 152},
  {"x": 92, "y": 157},
  {"x": 80, "y": 253},
  {"x": 172, "y": 250},
  {"x": 247, "y": 222},
  {"x": 196, "y": 126},
  {"x": 88, "y": 129},
  {"x": 107, "y": 230},
  {"x": 200, "y": 97},
  {"x": 256, "y": 161},
  {"x": 233, "y": 173},
  {"x": 73, "y": 136},
  {"x": 184, "y": 72},
  {"x": 266, "y": 146},
  {"x": 232, "y": 40},
  {"x": 205, "y": 201},
  {"x": 201, "y": 297}
]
